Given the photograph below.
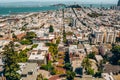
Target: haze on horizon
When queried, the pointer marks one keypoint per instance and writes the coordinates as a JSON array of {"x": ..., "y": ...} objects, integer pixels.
[{"x": 82, "y": 1}]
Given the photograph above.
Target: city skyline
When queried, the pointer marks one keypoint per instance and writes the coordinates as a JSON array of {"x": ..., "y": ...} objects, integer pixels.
[{"x": 83, "y": 1}]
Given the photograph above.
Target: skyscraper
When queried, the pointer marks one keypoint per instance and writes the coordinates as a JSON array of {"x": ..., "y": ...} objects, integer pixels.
[{"x": 118, "y": 3}]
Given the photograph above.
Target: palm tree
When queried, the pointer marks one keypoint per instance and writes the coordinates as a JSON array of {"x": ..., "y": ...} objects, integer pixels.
[{"x": 86, "y": 63}]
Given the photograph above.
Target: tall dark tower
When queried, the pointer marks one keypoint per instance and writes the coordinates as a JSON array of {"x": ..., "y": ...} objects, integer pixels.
[{"x": 118, "y": 3}]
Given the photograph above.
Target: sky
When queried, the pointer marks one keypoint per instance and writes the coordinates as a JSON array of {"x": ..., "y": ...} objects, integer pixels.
[{"x": 85, "y": 1}]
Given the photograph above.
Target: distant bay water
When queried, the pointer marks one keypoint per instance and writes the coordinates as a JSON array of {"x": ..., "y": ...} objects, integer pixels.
[{"x": 15, "y": 10}]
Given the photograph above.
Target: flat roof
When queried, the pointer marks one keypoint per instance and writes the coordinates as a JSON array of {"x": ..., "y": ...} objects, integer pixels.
[
  {"x": 36, "y": 57},
  {"x": 98, "y": 57},
  {"x": 26, "y": 67}
]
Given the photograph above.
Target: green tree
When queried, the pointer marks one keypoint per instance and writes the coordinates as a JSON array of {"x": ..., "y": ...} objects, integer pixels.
[
  {"x": 70, "y": 75},
  {"x": 53, "y": 49},
  {"x": 40, "y": 77},
  {"x": 86, "y": 63},
  {"x": 91, "y": 55},
  {"x": 51, "y": 29},
  {"x": 28, "y": 38},
  {"x": 30, "y": 35},
  {"x": 34, "y": 46},
  {"x": 49, "y": 67},
  {"x": 58, "y": 41},
  {"x": 68, "y": 66},
  {"x": 116, "y": 55},
  {"x": 90, "y": 71},
  {"x": 24, "y": 28},
  {"x": 64, "y": 36},
  {"x": 23, "y": 56},
  {"x": 26, "y": 42},
  {"x": 14, "y": 36},
  {"x": 98, "y": 74},
  {"x": 11, "y": 62}
]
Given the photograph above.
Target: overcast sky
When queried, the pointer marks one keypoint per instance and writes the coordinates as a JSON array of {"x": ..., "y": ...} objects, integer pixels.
[{"x": 92, "y": 1}]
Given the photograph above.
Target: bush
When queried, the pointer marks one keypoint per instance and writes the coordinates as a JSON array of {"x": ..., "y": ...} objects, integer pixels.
[
  {"x": 70, "y": 75},
  {"x": 90, "y": 71},
  {"x": 91, "y": 55},
  {"x": 97, "y": 74},
  {"x": 30, "y": 35},
  {"x": 45, "y": 67},
  {"x": 17, "y": 45},
  {"x": 53, "y": 72},
  {"x": 94, "y": 15},
  {"x": 26, "y": 42},
  {"x": 45, "y": 79},
  {"x": 23, "y": 55},
  {"x": 51, "y": 29},
  {"x": 68, "y": 66},
  {"x": 34, "y": 46}
]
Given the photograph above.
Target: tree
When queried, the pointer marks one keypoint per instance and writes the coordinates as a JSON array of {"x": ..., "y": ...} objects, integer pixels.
[
  {"x": 64, "y": 36},
  {"x": 28, "y": 38},
  {"x": 53, "y": 49},
  {"x": 116, "y": 57},
  {"x": 90, "y": 71},
  {"x": 30, "y": 35},
  {"x": 24, "y": 28},
  {"x": 26, "y": 42},
  {"x": 49, "y": 68},
  {"x": 11, "y": 62},
  {"x": 40, "y": 77},
  {"x": 23, "y": 56},
  {"x": 86, "y": 63},
  {"x": 68, "y": 66},
  {"x": 58, "y": 40},
  {"x": 34, "y": 46},
  {"x": 98, "y": 74},
  {"x": 51, "y": 29},
  {"x": 91, "y": 55},
  {"x": 70, "y": 75},
  {"x": 14, "y": 36}
]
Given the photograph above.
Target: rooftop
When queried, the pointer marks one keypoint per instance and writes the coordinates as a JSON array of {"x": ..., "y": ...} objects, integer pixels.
[
  {"x": 26, "y": 68},
  {"x": 108, "y": 68}
]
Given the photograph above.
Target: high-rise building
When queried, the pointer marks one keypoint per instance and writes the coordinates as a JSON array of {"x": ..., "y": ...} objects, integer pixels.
[
  {"x": 103, "y": 36},
  {"x": 116, "y": 7},
  {"x": 110, "y": 38},
  {"x": 118, "y": 3},
  {"x": 98, "y": 36}
]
